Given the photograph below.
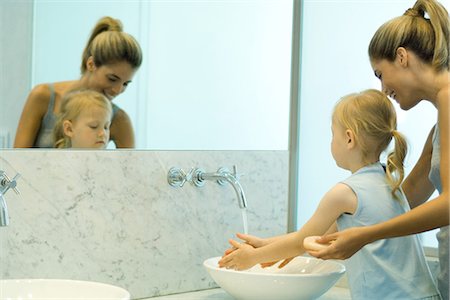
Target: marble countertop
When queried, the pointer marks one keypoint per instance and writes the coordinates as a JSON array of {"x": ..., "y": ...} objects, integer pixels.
[{"x": 335, "y": 293}]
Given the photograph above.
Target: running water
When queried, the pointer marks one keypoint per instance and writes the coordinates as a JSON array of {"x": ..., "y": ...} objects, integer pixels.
[{"x": 245, "y": 219}]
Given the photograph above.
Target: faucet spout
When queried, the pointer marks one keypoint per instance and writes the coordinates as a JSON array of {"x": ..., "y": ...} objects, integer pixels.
[
  {"x": 4, "y": 216},
  {"x": 5, "y": 184},
  {"x": 222, "y": 176},
  {"x": 238, "y": 189}
]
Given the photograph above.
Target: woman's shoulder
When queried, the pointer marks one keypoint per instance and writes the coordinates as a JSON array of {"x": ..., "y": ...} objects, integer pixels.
[
  {"x": 39, "y": 96},
  {"x": 119, "y": 115},
  {"x": 62, "y": 87},
  {"x": 41, "y": 90}
]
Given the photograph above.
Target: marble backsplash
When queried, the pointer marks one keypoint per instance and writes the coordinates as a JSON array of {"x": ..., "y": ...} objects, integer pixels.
[{"x": 110, "y": 216}]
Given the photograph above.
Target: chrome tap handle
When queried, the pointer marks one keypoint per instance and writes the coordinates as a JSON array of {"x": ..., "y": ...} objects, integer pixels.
[
  {"x": 177, "y": 177},
  {"x": 6, "y": 183},
  {"x": 235, "y": 173}
]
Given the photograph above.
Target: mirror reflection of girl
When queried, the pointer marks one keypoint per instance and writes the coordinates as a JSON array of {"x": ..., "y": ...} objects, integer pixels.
[
  {"x": 363, "y": 126},
  {"x": 109, "y": 62},
  {"x": 84, "y": 121}
]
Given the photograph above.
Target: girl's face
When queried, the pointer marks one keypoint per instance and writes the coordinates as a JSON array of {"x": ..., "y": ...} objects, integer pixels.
[
  {"x": 396, "y": 82},
  {"x": 339, "y": 145},
  {"x": 110, "y": 79},
  {"x": 90, "y": 129}
]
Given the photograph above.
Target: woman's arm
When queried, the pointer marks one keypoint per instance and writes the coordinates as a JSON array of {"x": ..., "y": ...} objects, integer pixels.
[
  {"x": 417, "y": 187},
  {"x": 340, "y": 199},
  {"x": 122, "y": 133},
  {"x": 31, "y": 117},
  {"x": 430, "y": 215}
]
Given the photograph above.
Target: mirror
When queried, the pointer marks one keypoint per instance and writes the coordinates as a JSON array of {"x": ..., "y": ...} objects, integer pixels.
[{"x": 215, "y": 75}]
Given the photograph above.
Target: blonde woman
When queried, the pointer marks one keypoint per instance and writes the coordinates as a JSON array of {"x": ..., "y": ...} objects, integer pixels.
[
  {"x": 84, "y": 121},
  {"x": 109, "y": 62},
  {"x": 363, "y": 126},
  {"x": 411, "y": 57}
]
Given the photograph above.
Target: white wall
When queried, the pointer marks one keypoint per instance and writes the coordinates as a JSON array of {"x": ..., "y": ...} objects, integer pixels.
[
  {"x": 15, "y": 64},
  {"x": 335, "y": 62},
  {"x": 215, "y": 75}
]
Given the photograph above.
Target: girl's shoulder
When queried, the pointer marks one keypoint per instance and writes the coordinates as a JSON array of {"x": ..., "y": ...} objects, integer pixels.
[{"x": 343, "y": 197}]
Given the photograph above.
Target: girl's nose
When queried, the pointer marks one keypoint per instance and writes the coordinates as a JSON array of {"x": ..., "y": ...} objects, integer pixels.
[{"x": 102, "y": 132}]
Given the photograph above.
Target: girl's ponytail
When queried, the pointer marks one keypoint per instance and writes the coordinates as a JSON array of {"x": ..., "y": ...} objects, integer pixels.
[{"x": 394, "y": 166}]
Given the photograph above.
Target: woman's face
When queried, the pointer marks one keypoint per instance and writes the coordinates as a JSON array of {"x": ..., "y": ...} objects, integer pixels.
[
  {"x": 111, "y": 79},
  {"x": 396, "y": 82},
  {"x": 90, "y": 129}
]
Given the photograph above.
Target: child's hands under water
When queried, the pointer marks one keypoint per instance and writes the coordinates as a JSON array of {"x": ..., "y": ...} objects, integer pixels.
[
  {"x": 252, "y": 240},
  {"x": 240, "y": 257},
  {"x": 255, "y": 242}
]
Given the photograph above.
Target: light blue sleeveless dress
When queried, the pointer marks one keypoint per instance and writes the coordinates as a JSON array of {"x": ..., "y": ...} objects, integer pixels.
[
  {"x": 44, "y": 138},
  {"x": 443, "y": 235},
  {"x": 395, "y": 268}
]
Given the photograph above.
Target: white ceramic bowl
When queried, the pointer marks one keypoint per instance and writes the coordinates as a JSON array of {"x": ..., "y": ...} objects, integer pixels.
[
  {"x": 21, "y": 289},
  {"x": 303, "y": 278}
]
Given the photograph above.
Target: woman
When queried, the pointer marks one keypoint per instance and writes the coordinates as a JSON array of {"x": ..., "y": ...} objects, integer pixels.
[
  {"x": 410, "y": 56},
  {"x": 109, "y": 62}
]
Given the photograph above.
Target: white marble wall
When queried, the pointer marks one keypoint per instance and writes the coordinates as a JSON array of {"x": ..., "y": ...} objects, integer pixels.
[{"x": 110, "y": 216}]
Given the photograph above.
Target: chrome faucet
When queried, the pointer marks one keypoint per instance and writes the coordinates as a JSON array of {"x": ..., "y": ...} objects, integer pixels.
[
  {"x": 5, "y": 184},
  {"x": 222, "y": 176},
  {"x": 177, "y": 178}
]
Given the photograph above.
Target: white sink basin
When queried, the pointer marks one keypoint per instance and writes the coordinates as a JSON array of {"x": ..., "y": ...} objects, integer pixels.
[
  {"x": 21, "y": 289},
  {"x": 303, "y": 278}
]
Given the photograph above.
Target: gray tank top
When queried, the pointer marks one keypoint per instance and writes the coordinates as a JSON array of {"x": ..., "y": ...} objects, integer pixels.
[
  {"x": 44, "y": 138},
  {"x": 443, "y": 235}
]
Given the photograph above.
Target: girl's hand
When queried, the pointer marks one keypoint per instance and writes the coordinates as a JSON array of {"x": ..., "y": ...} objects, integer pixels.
[
  {"x": 342, "y": 244},
  {"x": 254, "y": 241},
  {"x": 241, "y": 258}
]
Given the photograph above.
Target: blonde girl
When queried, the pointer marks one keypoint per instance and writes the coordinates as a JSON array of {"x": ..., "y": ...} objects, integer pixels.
[
  {"x": 109, "y": 62},
  {"x": 84, "y": 121},
  {"x": 410, "y": 55},
  {"x": 363, "y": 125}
]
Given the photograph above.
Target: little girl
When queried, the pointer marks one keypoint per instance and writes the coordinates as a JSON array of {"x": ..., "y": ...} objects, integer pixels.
[
  {"x": 363, "y": 126},
  {"x": 84, "y": 121}
]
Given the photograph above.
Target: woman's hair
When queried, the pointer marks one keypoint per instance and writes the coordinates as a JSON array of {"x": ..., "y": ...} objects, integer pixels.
[
  {"x": 427, "y": 37},
  {"x": 72, "y": 105},
  {"x": 109, "y": 44},
  {"x": 372, "y": 118}
]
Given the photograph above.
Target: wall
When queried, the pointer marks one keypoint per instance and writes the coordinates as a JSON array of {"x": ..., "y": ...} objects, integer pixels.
[
  {"x": 110, "y": 216},
  {"x": 16, "y": 20}
]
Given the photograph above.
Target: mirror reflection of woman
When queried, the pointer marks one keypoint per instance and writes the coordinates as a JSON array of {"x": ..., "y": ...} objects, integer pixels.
[
  {"x": 109, "y": 62},
  {"x": 84, "y": 121}
]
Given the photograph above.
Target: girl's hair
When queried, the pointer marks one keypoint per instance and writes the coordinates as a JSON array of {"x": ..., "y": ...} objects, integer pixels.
[
  {"x": 109, "y": 44},
  {"x": 372, "y": 118},
  {"x": 72, "y": 105},
  {"x": 428, "y": 38}
]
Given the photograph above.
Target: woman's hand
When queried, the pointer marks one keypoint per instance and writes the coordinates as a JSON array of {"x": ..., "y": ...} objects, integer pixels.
[
  {"x": 342, "y": 244},
  {"x": 283, "y": 263}
]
